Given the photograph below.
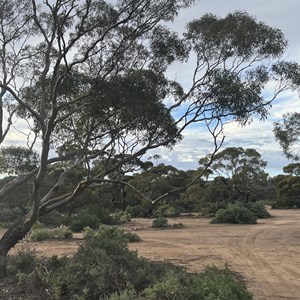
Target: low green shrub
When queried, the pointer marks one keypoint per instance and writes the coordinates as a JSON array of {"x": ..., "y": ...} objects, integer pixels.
[
  {"x": 104, "y": 268},
  {"x": 160, "y": 222},
  {"x": 62, "y": 232},
  {"x": 258, "y": 210},
  {"x": 40, "y": 234},
  {"x": 24, "y": 261},
  {"x": 83, "y": 220},
  {"x": 53, "y": 218},
  {"x": 8, "y": 216},
  {"x": 213, "y": 283},
  {"x": 129, "y": 237},
  {"x": 286, "y": 203},
  {"x": 235, "y": 214},
  {"x": 119, "y": 218},
  {"x": 132, "y": 237},
  {"x": 178, "y": 225},
  {"x": 166, "y": 211},
  {"x": 173, "y": 286}
]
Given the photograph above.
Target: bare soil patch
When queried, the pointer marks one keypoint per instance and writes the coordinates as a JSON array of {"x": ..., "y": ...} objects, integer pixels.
[{"x": 267, "y": 254}]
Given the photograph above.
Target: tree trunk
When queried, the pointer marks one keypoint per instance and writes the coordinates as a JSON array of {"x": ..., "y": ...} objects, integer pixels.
[
  {"x": 3, "y": 268},
  {"x": 11, "y": 237}
]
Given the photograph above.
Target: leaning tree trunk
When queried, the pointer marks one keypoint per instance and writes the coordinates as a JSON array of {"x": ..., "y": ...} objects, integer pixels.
[{"x": 11, "y": 237}]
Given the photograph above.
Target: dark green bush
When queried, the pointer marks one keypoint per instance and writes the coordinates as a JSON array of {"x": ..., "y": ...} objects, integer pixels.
[
  {"x": 24, "y": 261},
  {"x": 166, "y": 211},
  {"x": 139, "y": 211},
  {"x": 216, "y": 284},
  {"x": 178, "y": 225},
  {"x": 286, "y": 203},
  {"x": 175, "y": 285},
  {"x": 84, "y": 220},
  {"x": 8, "y": 217},
  {"x": 104, "y": 268},
  {"x": 258, "y": 210},
  {"x": 62, "y": 232},
  {"x": 132, "y": 237},
  {"x": 160, "y": 222},
  {"x": 40, "y": 234},
  {"x": 235, "y": 214},
  {"x": 54, "y": 218}
]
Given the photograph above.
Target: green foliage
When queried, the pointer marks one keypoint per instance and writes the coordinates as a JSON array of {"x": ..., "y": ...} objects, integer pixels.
[
  {"x": 292, "y": 169},
  {"x": 24, "y": 261},
  {"x": 166, "y": 210},
  {"x": 130, "y": 237},
  {"x": 40, "y": 233},
  {"x": 213, "y": 284},
  {"x": 84, "y": 220},
  {"x": 17, "y": 160},
  {"x": 160, "y": 222},
  {"x": 8, "y": 216},
  {"x": 244, "y": 170},
  {"x": 235, "y": 214},
  {"x": 104, "y": 268},
  {"x": 191, "y": 198},
  {"x": 154, "y": 182},
  {"x": 258, "y": 210},
  {"x": 120, "y": 217},
  {"x": 173, "y": 286},
  {"x": 287, "y": 134},
  {"x": 288, "y": 192},
  {"x": 54, "y": 218},
  {"x": 143, "y": 210},
  {"x": 178, "y": 225},
  {"x": 62, "y": 232}
]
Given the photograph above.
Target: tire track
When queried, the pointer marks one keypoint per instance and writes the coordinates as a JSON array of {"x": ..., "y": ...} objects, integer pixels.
[{"x": 275, "y": 281}]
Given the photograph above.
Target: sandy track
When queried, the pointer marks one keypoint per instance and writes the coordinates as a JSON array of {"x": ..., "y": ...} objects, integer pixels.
[{"x": 266, "y": 254}]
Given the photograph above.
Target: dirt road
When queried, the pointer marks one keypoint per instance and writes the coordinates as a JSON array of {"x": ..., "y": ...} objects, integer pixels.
[{"x": 266, "y": 254}]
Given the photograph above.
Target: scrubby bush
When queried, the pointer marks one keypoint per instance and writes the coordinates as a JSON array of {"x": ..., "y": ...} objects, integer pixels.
[
  {"x": 140, "y": 210},
  {"x": 235, "y": 214},
  {"x": 62, "y": 232},
  {"x": 166, "y": 211},
  {"x": 120, "y": 217},
  {"x": 104, "y": 268},
  {"x": 213, "y": 283},
  {"x": 114, "y": 232},
  {"x": 24, "y": 261},
  {"x": 160, "y": 222},
  {"x": 178, "y": 225},
  {"x": 8, "y": 217},
  {"x": 40, "y": 234},
  {"x": 54, "y": 219},
  {"x": 211, "y": 208},
  {"x": 173, "y": 286},
  {"x": 84, "y": 220},
  {"x": 258, "y": 210}
]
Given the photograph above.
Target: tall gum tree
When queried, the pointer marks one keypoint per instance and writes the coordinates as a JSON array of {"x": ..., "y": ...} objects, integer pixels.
[{"x": 89, "y": 78}]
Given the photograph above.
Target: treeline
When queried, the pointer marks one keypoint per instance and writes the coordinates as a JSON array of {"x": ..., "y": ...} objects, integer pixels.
[{"x": 236, "y": 177}]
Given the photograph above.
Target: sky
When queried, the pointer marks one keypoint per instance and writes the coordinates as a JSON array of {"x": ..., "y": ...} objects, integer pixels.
[{"x": 281, "y": 14}]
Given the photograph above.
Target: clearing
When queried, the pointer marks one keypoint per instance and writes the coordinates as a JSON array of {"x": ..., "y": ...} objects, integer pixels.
[{"x": 267, "y": 254}]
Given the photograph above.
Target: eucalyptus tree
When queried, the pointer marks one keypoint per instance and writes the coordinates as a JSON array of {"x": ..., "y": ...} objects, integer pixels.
[
  {"x": 89, "y": 77},
  {"x": 243, "y": 167},
  {"x": 287, "y": 133}
]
